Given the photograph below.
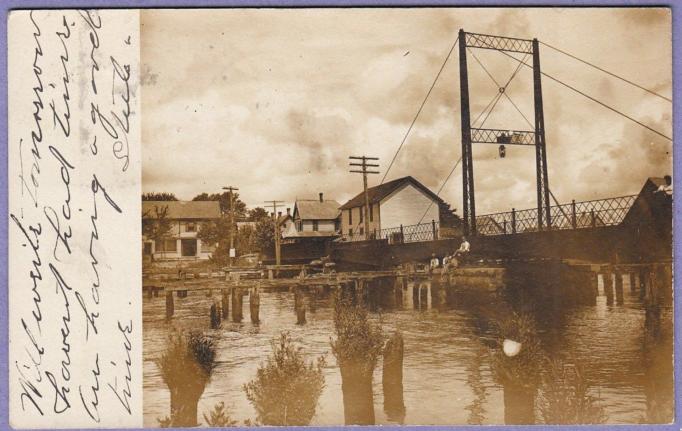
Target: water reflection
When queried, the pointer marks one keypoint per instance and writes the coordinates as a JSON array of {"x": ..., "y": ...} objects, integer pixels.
[{"x": 452, "y": 351}]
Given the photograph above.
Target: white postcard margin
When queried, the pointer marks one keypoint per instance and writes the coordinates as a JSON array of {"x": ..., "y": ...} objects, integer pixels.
[{"x": 74, "y": 158}]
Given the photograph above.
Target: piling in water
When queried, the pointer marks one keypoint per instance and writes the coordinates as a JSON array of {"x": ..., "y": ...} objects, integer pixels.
[
  {"x": 170, "y": 305},
  {"x": 619, "y": 288},
  {"x": 225, "y": 300},
  {"x": 237, "y": 302},
  {"x": 299, "y": 305},
  {"x": 607, "y": 278},
  {"x": 356, "y": 348},
  {"x": 392, "y": 379},
  {"x": 254, "y": 305},
  {"x": 415, "y": 295},
  {"x": 633, "y": 286},
  {"x": 214, "y": 316}
]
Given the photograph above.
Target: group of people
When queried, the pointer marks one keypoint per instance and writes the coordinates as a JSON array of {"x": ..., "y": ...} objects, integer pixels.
[{"x": 453, "y": 260}]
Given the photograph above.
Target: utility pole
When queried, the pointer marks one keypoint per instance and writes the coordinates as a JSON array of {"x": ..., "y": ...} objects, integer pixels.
[
  {"x": 364, "y": 171},
  {"x": 278, "y": 254},
  {"x": 233, "y": 253}
]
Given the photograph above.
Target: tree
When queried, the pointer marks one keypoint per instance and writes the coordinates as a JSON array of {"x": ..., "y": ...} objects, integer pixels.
[
  {"x": 286, "y": 389},
  {"x": 159, "y": 196},
  {"x": 186, "y": 368},
  {"x": 257, "y": 214},
  {"x": 156, "y": 225},
  {"x": 265, "y": 235},
  {"x": 224, "y": 199}
]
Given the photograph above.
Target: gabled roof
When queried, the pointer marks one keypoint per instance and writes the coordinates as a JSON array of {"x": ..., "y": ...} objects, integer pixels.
[
  {"x": 378, "y": 193},
  {"x": 183, "y": 209},
  {"x": 313, "y": 209}
]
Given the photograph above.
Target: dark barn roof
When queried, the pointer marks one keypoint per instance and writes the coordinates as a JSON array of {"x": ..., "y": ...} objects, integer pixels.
[{"x": 377, "y": 193}]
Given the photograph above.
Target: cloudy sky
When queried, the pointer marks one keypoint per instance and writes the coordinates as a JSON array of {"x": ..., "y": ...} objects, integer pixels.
[{"x": 274, "y": 101}]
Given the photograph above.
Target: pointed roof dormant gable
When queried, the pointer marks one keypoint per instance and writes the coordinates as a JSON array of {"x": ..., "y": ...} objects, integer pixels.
[
  {"x": 183, "y": 210},
  {"x": 380, "y": 192}
]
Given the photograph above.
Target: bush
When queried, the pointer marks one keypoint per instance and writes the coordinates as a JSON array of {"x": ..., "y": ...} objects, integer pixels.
[
  {"x": 357, "y": 340},
  {"x": 286, "y": 388},
  {"x": 565, "y": 397},
  {"x": 219, "y": 417}
]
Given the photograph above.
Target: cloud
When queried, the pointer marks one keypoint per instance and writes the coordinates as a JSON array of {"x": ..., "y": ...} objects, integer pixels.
[{"x": 274, "y": 101}]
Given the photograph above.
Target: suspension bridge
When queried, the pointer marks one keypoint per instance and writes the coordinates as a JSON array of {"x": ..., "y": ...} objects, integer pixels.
[{"x": 629, "y": 229}]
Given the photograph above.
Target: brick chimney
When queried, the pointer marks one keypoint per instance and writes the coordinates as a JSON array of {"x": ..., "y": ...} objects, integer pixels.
[
  {"x": 321, "y": 197},
  {"x": 288, "y": 211},
  {"x": 279, "y": 214}
]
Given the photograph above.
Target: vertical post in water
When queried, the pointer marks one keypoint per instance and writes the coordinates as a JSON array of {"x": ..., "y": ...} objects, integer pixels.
[
  {"x": 237, "y": 301},
  {"x": 619, "y": 287},
  {"x": 254, "y": 305},
  {"x": 225, "y": 299},
  {"x": 607, "y": 277},
  {"x": 392, "y": 378},
  {"x": 633, "y": 286},
  {"x": 467, "y": 161},
  {"x": 574, "y": 218},
  {"x": 170, "y": 305},
  {"x": 544, "y": 219}
]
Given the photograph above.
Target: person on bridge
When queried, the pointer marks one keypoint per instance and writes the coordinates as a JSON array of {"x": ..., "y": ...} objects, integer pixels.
[
  {"x": 667, "y": 188},
  {"x": 464, "y": 249},
  {"x": 435, "y": 263}
]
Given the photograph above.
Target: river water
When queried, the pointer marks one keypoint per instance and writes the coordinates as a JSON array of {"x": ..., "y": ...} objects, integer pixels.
[{"x": 448, "y": 378}]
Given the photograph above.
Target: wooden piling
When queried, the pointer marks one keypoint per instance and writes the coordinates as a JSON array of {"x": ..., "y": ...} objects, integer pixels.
[
  {"x": 643, "y": 282},
  {"x": 254, "y": 305},
  {"x": 299, "y": 306},
  {"x": 237, "y": 302},
  {"x": 225, "y": 300},
  {"x": 415, "y": 295},
  {"x": 214, "y": 316},
  {"x": 633, "y": 286},
  {"x": 392, "y": 378},
  {"x": 170, "y": 305},
  {"x": 619, "y": 288},
  {"x": 607, "y": 279}
]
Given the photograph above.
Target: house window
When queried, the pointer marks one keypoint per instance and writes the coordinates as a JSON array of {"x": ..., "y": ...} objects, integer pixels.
[
  {"x": 350, "y": 216},
  {"x": 362, "y": 230},
  {"x": 350, "y": 232},
  {"x": 316, "y": 225},
  {"x": 191, "y": 227},
  {"x": 299, "y": 225},
  {"x": 164, "y": 245},
  {"x": 361, "y": 210},
  {"x": 371, "y": 212}
]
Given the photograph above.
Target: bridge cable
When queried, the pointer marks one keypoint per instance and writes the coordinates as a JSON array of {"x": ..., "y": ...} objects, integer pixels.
[
  {"x": 607, "y": 72},
  {"x": 599, "y": 102},
  {"x": 414, "y": 120},
  {"x": 440, "y": 190},
  {"x": 498, "y": 86}
]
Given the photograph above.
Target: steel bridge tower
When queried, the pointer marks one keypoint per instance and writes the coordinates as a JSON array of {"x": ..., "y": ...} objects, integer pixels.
[{"x": 498, "y": 136}]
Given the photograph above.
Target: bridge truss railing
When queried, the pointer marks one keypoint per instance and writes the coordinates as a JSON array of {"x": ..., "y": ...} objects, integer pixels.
[
  {"x": 400, "y": 234},
  {"x": 574, "y": 215}
]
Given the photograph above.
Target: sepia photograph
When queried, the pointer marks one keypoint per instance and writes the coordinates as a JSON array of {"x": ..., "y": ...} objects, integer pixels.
[{"x": 406, "y": 216}]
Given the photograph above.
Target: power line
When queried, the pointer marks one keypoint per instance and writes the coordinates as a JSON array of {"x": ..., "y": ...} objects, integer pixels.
[
  {"x": 414, "y": 120},
  {"x": 441, "y": 189},
  {"x": 607, "y": 72},
  {"x": 592, "y": 98}
]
